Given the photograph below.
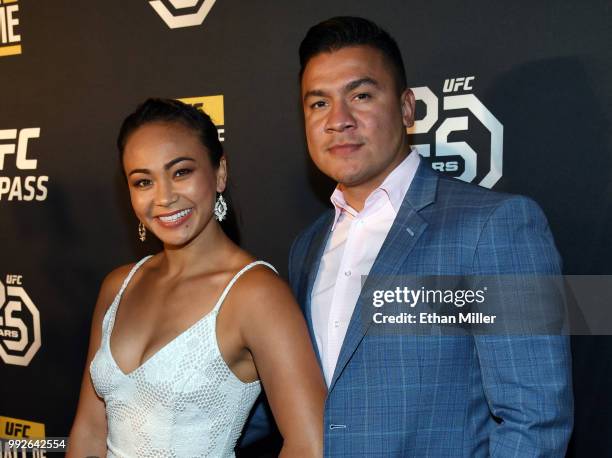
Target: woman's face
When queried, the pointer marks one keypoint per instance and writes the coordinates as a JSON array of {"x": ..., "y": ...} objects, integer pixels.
[{"x": 171, "y": 180}]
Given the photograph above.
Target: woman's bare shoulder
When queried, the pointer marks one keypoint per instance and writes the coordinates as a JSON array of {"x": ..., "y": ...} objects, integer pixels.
[
  {"x": 261, "y": 288},
  {"x": 112, "y": 284},
  {"x": 115, "y": 278},
  {"x": 108, "y": 290}
]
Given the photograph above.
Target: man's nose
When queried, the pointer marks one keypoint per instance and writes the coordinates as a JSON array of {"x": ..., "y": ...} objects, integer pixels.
[{"x": 339, "y": 118}]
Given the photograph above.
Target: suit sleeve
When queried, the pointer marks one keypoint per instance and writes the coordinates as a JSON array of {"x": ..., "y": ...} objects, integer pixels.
[
  {"x": 292, "y": 269},
  {"x": 259, "y": 426},
  {"x": 527, "y": 378}
]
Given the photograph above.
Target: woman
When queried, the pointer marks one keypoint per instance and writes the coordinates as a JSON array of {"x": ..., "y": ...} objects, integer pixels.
[{"x": 180, "y": 340}]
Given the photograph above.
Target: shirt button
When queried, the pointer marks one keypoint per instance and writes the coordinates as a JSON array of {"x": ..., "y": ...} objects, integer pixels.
[
  {"x": 347, "y": 273},
  {"x": 336, "y": 324}
]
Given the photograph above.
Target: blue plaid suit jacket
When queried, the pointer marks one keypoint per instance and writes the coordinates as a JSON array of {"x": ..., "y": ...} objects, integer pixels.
[{"x": 446, "y": 396}]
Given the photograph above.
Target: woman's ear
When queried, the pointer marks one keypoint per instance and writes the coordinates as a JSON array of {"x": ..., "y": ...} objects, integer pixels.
[{"x": 222, "y": 175}]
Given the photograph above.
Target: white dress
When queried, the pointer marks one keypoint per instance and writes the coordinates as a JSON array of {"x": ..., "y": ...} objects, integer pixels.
[{"x": 183, "y": 401}]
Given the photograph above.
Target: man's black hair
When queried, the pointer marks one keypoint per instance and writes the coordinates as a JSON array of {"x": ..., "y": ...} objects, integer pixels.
[{"x": 345, "y": 31}]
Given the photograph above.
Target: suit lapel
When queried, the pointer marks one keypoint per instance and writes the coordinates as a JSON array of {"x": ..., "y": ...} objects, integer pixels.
[
  {"x": 400, "y": 241},
  {"x": 311, "y": 265}
]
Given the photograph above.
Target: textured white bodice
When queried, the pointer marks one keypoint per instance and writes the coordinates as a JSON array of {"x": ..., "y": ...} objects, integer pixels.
[{"x": 183, "y": 401}]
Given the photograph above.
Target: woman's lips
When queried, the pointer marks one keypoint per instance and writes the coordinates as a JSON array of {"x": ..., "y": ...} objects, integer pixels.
[{"x": 175, "y": 218}]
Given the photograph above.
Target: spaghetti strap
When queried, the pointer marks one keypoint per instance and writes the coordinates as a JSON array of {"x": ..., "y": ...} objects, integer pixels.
[
  {"x": 112, "y": 310},
  {"x": 131, "y": 274},
  {"x": 237, "y": 276}
]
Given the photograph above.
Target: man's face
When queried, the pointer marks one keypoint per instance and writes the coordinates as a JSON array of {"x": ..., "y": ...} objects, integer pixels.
[{"x": 355, "y": 119}]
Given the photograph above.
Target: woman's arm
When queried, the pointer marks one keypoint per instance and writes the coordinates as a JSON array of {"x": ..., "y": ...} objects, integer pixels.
[
  {"x": 89, "y": 430},
  {"x": 275, "y": 332}
]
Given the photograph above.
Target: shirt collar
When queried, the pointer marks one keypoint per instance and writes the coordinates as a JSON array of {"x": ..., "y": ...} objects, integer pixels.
[{"x": 393, "y": 188}]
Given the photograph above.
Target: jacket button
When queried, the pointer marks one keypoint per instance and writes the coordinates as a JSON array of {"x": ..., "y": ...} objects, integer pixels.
[{"x": 334, "y": 426}]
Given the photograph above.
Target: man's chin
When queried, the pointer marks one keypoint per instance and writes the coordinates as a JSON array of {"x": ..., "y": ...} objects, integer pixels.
[{"x": 350, "y": 181}]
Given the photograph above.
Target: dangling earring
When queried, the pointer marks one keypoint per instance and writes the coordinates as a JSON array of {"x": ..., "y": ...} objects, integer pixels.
[
  {"x": 220, "y": 208},
  {"x": 142, "y": 232}
]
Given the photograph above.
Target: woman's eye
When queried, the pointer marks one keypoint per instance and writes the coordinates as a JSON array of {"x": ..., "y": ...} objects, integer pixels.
[
  {"x": 182, "y": 172},
  {"x": 143, "y": 183}
]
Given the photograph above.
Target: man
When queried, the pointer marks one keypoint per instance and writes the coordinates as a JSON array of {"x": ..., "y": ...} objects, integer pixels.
[{"x": 401, "y": 395}]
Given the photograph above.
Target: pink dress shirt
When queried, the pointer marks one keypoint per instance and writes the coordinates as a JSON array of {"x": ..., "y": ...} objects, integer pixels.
[{"x": 350, "y": 252}]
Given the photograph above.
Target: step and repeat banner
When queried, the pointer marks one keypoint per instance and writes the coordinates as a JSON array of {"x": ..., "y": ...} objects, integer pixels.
[{"x": 510, "y": 96}]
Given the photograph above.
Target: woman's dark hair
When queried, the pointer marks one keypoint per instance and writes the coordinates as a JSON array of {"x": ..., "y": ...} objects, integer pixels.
[
  {"x": 344, "y": 31},
  {"x": 169, "y": 110}
]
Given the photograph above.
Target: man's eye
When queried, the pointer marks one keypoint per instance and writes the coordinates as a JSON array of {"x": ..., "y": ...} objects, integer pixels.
[
  {"x": 318, "y": 104},
  {"x": 182, "y": 172},
  {"x": 363, "y": 96}
]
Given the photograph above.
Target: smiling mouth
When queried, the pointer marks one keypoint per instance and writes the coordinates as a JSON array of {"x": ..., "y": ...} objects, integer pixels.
[{"x": 176, "y": 218}]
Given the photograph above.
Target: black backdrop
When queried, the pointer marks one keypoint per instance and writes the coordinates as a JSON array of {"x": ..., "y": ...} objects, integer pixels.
[{"x": 541, "y": 69}]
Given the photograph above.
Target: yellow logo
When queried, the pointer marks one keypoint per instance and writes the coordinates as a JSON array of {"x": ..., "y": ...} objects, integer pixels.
[
  {"x": 14, "y": 428},
  {"x": 10, "y": 40},
  {"x": 212, "y": 105}
]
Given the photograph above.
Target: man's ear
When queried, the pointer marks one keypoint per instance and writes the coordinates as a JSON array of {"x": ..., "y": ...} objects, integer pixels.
[{"x": 408, "y": 106}]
